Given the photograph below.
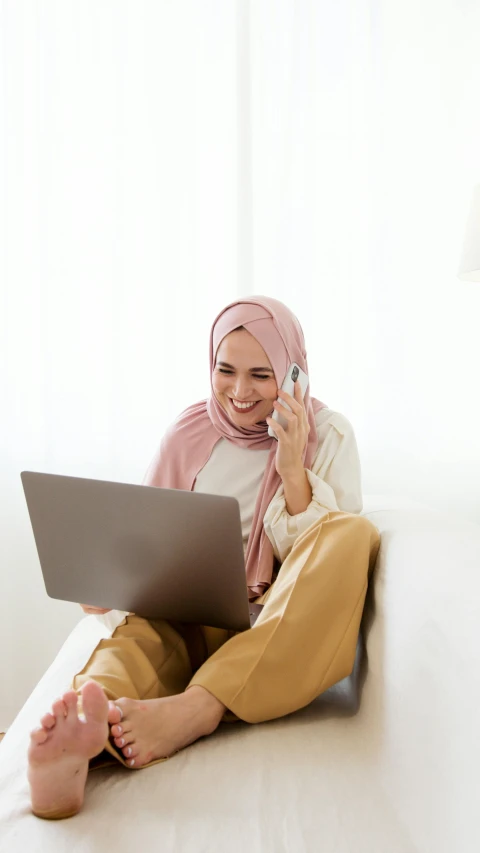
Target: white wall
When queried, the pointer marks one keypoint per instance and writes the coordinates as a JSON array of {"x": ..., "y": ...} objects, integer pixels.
[
  {"x": 366, "y": 140},
  {"x": 163, "y": 158},
  {"x": 118, "y": 219}
]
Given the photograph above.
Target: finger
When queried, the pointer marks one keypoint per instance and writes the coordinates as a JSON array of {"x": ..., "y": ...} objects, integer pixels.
[
  {"x": 287, "y": 397},
  {"x": 277, "y": 428},
  {"x": 94, "y": 611},
  {"x": 294, "y": 404},
  {"x": 300, "y": 399},
  {"x": 289, "y": 416},
  {"x": 299, "y": 395}
]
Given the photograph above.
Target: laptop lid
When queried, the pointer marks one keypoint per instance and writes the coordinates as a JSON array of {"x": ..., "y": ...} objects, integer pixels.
[{"x": 159, "y": 553}]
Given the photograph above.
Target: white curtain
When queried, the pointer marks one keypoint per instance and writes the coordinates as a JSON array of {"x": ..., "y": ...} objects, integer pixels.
[{"x": 161, "y": 158}]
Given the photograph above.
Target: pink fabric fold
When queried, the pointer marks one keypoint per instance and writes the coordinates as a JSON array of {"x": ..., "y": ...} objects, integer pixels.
[{"x": 188, "y": 442}]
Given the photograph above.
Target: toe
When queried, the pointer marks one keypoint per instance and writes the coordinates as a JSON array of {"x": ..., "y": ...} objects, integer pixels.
[
  {"x": 48, "y": 721},
  {"x": 59, "y": 709},
  {"x": 38, "y": 736},
  {"x": 94, "y": 702},
  {"x": 130, "y": 751},
  {"x": 121, "y": 731},
  {"x": 140, "y": 758},
  {"x": 125, "y": 740},
  {"x": 71, "y": 700},
  {"x": 114, "y": 713}
]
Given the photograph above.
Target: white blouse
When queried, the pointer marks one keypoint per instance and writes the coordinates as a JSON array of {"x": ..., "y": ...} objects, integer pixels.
[{"x": 335, "y": 478}]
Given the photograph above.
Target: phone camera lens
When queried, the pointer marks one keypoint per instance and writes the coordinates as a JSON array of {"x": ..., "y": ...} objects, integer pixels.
[{"x": 295, "y": 374}]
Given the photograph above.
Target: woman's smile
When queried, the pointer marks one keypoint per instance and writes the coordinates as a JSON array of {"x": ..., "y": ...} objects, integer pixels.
[{"x": 248, "y": 406}]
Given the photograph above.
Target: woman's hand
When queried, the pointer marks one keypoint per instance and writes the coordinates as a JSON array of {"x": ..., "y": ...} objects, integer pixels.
[
  {"x": 292, "y": 441},
  {"x": 96, "y": 611}
]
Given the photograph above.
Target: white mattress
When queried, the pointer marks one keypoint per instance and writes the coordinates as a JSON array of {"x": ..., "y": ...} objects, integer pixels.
[{"x": 399, "y": 776}]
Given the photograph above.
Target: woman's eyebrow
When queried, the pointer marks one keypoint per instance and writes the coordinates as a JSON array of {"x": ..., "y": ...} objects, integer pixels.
[{"x": 262, "y": 369}]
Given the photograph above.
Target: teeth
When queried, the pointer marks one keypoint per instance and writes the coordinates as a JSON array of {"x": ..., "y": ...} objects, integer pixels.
[{"x": 243, "y": 405}]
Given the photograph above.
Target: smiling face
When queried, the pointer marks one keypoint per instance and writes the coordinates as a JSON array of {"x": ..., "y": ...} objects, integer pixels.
[{"x": 243, "y": 373}]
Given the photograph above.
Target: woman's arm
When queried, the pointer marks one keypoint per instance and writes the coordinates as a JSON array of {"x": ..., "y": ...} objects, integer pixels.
[
  {"x": 297, "y": 491},
  {"x": 334, "y": 481}
]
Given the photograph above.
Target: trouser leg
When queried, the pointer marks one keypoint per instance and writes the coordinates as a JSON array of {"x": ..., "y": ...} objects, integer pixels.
[
  {"x": 141, "y": 660},
  {"x": 304, "y": 641}
]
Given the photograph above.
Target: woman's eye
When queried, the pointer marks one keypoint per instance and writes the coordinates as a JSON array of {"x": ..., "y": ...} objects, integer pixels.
[{"x": 256, "y": 375}]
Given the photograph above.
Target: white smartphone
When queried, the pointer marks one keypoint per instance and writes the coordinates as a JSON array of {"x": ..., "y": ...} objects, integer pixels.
[{"x": 294, "y": 372}]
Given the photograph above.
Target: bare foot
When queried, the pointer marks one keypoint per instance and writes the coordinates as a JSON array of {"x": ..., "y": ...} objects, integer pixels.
[
  {"x": 157, "y": 728},
  {"x": 60, "y": 751}
]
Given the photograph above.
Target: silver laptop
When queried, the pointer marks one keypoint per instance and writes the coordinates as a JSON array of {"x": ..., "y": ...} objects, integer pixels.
[{"x": 159, "y": 553}]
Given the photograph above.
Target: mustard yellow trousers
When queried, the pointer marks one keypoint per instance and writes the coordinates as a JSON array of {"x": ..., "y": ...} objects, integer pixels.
[{"x": 303, "y": 642}]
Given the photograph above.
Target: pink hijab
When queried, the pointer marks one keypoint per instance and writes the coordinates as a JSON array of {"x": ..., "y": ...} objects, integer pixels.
[{"x": 189, "y": 440}]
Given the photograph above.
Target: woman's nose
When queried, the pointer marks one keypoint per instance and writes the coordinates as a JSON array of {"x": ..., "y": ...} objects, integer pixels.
[{"x": 242, "y": 390}]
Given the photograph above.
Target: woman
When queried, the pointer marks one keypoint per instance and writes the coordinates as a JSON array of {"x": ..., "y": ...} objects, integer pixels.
[{"x": 152, "y": 688}]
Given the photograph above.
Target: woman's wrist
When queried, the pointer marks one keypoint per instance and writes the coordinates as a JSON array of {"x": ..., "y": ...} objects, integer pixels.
[{"x": 297, "y": 490}]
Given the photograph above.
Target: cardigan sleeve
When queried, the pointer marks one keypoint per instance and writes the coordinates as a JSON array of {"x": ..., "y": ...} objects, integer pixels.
[{"x": 335, "y": 479}]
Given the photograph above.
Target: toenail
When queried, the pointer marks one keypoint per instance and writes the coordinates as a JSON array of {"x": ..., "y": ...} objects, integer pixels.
[
  {"x": 128, "y": 751},
  {"x": 131, "y": 762},
  {"x": 119, "y": 730},
  {"x": 121, "y": 741},
  {"x": 120, "y": 711}
]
